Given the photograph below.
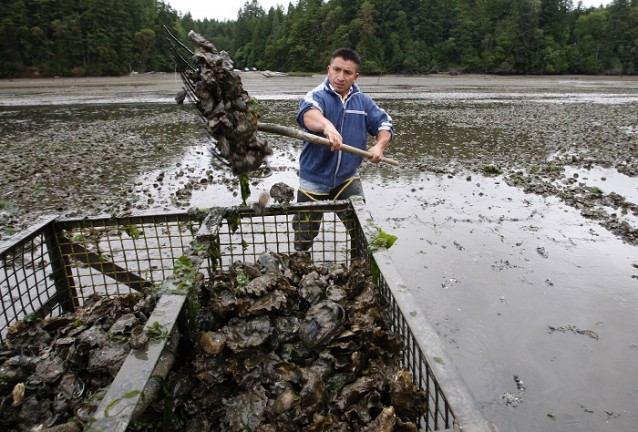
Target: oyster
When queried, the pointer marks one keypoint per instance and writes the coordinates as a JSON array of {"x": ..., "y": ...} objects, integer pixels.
[
  {"x": 282, "y": 193},
  {"x": 18, "y": 394},
  {"x": 286, "y": 400},
  {"x": 323, "y": 322},
  {"x": 244, "y": 334},
  {"x": 212, "y": 342},
  {"x": 246, "y": 410}
]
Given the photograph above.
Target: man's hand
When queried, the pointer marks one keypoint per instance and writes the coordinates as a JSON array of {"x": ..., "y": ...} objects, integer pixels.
[
  {"x": 314, "y": 120},
  {"x": 377, "y": 153},
  {"x": 334, "y": 137},
  {"x": 383, "y": 139}
]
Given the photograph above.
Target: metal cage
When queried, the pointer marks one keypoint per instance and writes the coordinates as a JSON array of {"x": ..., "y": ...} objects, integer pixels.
[{"x": 57, "y": 264}]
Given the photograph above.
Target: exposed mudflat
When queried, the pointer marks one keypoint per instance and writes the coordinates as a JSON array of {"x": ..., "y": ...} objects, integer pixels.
[
  {"x": 515, "y": 206},
  {"x": 527, "y": 129}
]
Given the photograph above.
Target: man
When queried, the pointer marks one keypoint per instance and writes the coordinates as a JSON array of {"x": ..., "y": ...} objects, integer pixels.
[{"x": 339, "y": 111}]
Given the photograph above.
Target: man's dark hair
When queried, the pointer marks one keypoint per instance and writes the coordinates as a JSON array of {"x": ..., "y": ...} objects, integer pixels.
[{"x": 347, "y": 54}]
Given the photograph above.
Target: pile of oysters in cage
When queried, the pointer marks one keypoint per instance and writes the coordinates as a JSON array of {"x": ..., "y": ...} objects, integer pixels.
[
  {"x": 287, "y": 345},
  {"x": 53, "y": 372},
  {"x": 283, "y": 344},
  {"x": 231, "y": 114}
]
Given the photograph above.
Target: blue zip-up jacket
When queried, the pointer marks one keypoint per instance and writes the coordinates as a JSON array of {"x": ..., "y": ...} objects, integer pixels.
[{"x": 355, "y": 118}]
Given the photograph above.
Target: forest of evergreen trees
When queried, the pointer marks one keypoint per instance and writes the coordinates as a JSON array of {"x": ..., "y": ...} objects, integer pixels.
[{"x": 115, "y": 37}]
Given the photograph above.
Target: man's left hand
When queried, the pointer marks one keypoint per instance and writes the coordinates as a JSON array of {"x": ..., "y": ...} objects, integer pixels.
[
  {"x": 377, "y": 153},
  {"x": 383, "y": 140}
]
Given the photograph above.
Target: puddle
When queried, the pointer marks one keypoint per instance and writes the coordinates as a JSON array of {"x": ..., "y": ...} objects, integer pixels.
[{"x": 607, "y": 180}]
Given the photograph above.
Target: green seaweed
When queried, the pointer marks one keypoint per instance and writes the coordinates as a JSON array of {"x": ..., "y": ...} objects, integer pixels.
[
  {"x": 133, "y": 231},
  {"x": 244, "y": 185},
  {"x": 114, "y": 402},
  {"x": 233, "y": 219},
  {"x": 382, "y": 240},
  {"x": 242, "y": 279},
  {"x": 492, "y": 170},
  {"x": 157, "y": 331}
]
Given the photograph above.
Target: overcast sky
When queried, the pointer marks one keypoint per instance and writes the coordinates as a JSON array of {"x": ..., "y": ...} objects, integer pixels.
[
  {"x": 228, "y": 9},
  {"x": 220, "y": 9}
]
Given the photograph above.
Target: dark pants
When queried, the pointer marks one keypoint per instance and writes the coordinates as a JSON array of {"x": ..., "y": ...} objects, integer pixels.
[{"x": 306, "y": 225}]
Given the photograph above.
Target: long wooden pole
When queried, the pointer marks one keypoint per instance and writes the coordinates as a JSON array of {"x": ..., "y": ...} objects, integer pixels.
[{"x": 296, "y": 133}]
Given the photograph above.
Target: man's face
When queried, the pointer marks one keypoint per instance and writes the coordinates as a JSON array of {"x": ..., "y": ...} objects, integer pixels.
[{"x": 342, "y": 74}]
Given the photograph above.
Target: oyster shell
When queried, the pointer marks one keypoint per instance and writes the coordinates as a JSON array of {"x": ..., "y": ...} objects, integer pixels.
[
  {"x": 244, "y": 334},
  {"x": 323, "y": 322},
  {"x": 282, "y": 345},
  {"x": 286, "y": 401},
  {"x": 212, "y": 342},
  {"x": 246, "y": 410},
  {"x": 18, "y": 394},
  {"x": 282, "y": 193},
  {"x": 318, "y": 361}
]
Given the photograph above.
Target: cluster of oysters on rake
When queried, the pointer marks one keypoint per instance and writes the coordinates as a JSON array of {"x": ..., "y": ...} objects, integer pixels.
[
  {"x": 288, "y": 345},
  {"x": 231, "y": 113}
]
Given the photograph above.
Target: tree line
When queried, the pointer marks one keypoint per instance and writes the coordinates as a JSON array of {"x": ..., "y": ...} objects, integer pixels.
[{"x": 115, "y": 37}]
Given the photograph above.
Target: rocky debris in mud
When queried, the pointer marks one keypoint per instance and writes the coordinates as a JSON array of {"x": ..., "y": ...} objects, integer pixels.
[
  {"x": 572, "y": 328},
  {"x": 531, "y": 144},
  {"x": 287, "y": 345},
  {"x": 231, "y": 113},
  {"x": 542, "y": 252},
  {"x": 84, "y": 165},
  {"x": 591, "y": 201},
  {"x": 516, "y": 398},
  {"x": 607, "y": 414},
  {"x": 282, "y": 193},
  {"x": 54, "y": 371}
]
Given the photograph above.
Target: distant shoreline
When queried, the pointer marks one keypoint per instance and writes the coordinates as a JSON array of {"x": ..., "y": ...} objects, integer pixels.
[{"x": 163, "y": 87}]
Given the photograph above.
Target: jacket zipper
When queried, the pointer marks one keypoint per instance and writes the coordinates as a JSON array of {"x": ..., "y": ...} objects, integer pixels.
[{"x": 342, "y": 120}]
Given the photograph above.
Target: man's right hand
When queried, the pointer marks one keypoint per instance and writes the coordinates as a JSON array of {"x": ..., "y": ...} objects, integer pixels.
[
  {"x": 314, "y": 120},
  {"x": 334, "y": 137}
]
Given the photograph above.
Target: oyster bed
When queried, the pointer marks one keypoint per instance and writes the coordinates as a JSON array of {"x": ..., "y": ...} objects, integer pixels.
[
  {"x": 280, "y": 345},
  {"x": 287, "y": 345},
  {"x": 54, "y": 372}
]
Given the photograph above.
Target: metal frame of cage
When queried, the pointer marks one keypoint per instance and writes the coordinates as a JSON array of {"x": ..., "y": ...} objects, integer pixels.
[{"x": 57, "y": 264}]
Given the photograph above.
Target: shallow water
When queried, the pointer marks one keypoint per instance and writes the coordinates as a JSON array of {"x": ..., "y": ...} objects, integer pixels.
[{"x": 493, "y": 268}]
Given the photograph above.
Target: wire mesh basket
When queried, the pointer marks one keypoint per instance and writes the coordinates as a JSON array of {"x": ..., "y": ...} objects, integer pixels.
[{"x": 55, "y": 266}]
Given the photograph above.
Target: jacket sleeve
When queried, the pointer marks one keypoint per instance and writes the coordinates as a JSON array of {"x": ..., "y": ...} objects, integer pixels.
[
  {"x": 312, "y": 99},
  {"x": 378, "y": 119}
]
